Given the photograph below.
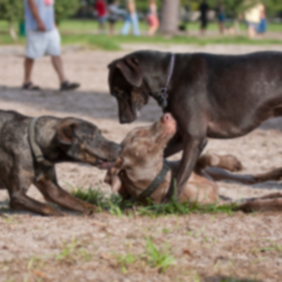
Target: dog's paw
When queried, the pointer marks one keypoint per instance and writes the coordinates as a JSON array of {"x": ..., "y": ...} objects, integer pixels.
[{"x": 230, "y": 163}]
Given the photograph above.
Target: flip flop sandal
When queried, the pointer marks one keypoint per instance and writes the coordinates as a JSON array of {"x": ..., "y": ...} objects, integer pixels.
[
  {"x": 30, "y": 86},
  {"x": 65, "y": 86}
]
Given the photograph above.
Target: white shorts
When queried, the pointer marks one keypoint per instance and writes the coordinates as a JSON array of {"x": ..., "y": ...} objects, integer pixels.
[{"x": 40, "y": 43}]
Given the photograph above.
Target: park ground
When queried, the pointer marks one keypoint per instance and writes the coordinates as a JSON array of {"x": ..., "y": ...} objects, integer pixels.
[{"x": 214, "y": 246}]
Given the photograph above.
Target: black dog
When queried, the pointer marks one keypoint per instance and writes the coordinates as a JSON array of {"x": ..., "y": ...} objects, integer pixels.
[
  {"x": 30, "y": 148},
  {"x": 209, "y": 95}
]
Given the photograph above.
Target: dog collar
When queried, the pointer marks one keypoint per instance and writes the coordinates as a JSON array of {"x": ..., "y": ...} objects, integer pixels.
[
  {"x": 155, "y": 184},
  {"x": 37, "y": 153},
  {"x": 162, "y": 99}
]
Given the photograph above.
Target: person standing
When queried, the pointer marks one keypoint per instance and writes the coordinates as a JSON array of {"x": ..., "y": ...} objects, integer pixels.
[
  {"x": 204, "y": 8},
  {"x": 101, "y": 12},
  {"x": 113, "y": 13},
  {"x": 131, "y": 19},
  {"x": 43, "y": 38},
  {"x": 221, "y": 18},
  {"x": 253, "y": 17},
  {"x": 153, "y": 19},
  {"x": 263, "y": 24}
]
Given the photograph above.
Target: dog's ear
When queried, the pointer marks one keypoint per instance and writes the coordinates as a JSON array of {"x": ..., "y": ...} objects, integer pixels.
[
  {"x": 131, "y": 70},
  {"x": 66, "y": 131}
]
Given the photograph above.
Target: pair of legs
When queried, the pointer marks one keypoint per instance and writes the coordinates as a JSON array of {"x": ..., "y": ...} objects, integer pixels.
[
  {"x": 112, "y": 27},
  {"x": 221, "y": 27},
  {"x": 57, "y": 64},
  {"x": 38, "y": 45},
  {"x": 252, "y": 30},
  {"x": 131, "y": 20},
  {"x": 204, "y": 24},
  {"x": 102, "y": 22},
  {"x": 152, "y": 30}
]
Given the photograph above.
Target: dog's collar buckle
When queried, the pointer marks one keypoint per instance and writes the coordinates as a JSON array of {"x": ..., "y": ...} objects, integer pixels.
[{"x": 162, "y": 99}]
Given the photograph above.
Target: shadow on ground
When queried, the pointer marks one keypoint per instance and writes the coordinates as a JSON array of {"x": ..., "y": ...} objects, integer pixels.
[{"x": 93, "y": 104}]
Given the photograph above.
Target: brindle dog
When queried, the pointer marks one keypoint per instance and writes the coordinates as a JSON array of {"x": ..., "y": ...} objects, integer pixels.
[
  {"x": 216, "y": 96},
  {"x": 141, "y": 160},
  {"x": 29, "y": 150}
]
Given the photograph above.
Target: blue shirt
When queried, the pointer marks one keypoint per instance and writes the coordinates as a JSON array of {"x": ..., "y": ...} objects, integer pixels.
[{"x": 46, "y": 13}]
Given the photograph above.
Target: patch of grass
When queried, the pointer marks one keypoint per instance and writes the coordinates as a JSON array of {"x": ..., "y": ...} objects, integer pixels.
[
  {"x": 125, "y": 260},
  {"x": 154, "y": 257},
  {"x": 116, "y": 206},
  {"x": 35, "y": 263},
  {"x": 158, "y": 258},
  {"x": 113, "y": 203},
  {"x": 114, "y": 43},
  {"x": 272, "y": 247},
  {"x": 70, "y": 253}
]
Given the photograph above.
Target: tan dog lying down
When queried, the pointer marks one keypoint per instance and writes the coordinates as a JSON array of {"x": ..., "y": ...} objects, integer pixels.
[{"x": 141, "y": 161}]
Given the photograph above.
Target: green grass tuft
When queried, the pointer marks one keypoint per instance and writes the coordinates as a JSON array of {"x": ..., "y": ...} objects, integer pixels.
[
  {"x": 158, "y": 258},
  {"x": 116, "y": 206}
]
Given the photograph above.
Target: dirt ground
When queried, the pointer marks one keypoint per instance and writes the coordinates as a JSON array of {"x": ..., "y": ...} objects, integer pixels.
[{"x": 209, "y": 247}]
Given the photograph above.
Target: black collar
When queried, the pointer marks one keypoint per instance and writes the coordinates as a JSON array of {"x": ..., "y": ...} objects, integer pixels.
[
  {"x": 162, "y": 98},
  {"x": 155, "y": 184}
]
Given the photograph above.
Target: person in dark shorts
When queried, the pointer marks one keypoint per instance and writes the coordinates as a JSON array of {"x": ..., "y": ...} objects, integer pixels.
[
  {"x": 204, "y": 8},
  {"x": 113, "y": 13}
]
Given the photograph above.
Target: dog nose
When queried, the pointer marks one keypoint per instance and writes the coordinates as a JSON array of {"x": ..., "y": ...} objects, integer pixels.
[{"x": 167, "y": 117}]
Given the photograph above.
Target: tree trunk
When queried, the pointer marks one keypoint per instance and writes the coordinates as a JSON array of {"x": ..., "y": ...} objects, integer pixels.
[
  {"x": 13, "y": 32},
  {"x": 169, "y": 17}
]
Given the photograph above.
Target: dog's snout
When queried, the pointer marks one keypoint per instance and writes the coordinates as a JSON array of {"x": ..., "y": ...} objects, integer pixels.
[{"x": 167, "y": 117}]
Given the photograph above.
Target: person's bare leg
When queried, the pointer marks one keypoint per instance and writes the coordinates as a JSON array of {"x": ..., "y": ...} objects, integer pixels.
[
  {"x": 28, "y": 66},
  {"x": 111, "y": 29},
  {"x": 58, "y": 66}
]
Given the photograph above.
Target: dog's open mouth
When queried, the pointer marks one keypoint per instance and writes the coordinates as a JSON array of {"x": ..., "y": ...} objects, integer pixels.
[{"x": 103, "y": 164}]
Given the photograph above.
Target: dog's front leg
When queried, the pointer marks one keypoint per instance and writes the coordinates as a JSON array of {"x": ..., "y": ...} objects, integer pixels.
[
  {"x": 53, "y": 193},
  {"x": 20, "y": 201},
  {"x": 192, "y": 151},
  {"x": 17, "y": 186}
]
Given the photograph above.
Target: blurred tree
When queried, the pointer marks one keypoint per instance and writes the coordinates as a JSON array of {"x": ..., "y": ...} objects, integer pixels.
[
  {"x": 12, "y": 12},
  {"x": 273, "y": 7},
  {"x": 169, "y": 16},
  {"x": 64, "y": 9}
]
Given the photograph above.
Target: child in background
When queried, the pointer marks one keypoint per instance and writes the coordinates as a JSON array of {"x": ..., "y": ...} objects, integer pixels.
[
  {"x": 113, "y": 13},
  {"x": 152, "y": 18},
  {"x": 101, "y": 12}
]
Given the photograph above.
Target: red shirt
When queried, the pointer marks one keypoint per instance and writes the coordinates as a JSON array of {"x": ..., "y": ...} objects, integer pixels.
[{"x": 101, "y": 8}]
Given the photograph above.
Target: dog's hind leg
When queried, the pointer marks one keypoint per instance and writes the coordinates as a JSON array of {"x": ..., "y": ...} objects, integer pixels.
[
  {"x": 228, "y": 162},
  {"x": 218, "y": 174},
  {"x": 52, "y": 192},
  {"x": 271, "y": 202}
]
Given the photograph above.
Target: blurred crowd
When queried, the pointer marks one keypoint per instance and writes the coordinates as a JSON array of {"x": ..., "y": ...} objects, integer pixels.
[
  {"x": 254, "y": 15},
  {"x": 109, "y": 12}
]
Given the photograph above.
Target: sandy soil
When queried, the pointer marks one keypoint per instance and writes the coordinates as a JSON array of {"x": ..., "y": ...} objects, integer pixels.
[{"x": 206, "y": 247}]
